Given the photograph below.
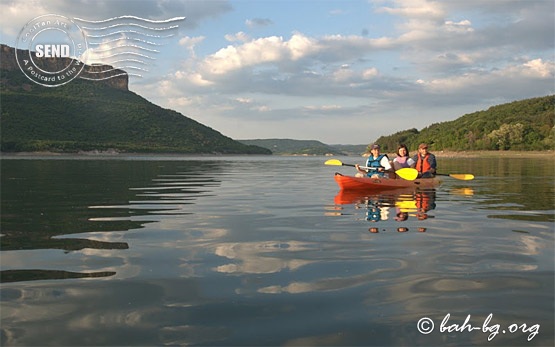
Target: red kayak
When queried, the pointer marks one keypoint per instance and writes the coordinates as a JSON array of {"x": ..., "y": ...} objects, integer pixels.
[{"x": 369, "y": 184}]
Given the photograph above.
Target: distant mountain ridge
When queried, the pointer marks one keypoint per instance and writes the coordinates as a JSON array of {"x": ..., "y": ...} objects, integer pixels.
[
  {"x": 520, "y": 125},
  {"x": 294, "y": 147},
  {"x": 96, "y": 116},
  {"x": 305, "y": 147}
]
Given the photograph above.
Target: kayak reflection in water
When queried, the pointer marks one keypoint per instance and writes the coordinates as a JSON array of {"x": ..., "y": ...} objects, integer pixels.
[{"x": 416, "y": 204}]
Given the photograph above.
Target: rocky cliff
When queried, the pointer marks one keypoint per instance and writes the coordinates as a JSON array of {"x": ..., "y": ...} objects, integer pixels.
[{"x": 104, "y": 74}]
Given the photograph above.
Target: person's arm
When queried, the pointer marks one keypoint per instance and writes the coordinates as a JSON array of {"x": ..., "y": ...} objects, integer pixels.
[
  {"x": 360, "y": 170},
  {"x": 414, "y": 160},
  {"x": 433, "y": 163},
  {"x": 385, "y": 163}
]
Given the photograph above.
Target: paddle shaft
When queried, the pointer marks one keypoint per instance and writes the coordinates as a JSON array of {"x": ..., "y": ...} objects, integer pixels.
[
  {"x": 463, "y": 177},
  {"x": 360, "y": 166}
]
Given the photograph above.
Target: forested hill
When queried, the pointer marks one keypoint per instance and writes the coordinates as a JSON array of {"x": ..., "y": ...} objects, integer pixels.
[
  {"x": 89, "y": 115},
  {"x": 520, "y": 125},
  {"x": 294, "y": 147}
]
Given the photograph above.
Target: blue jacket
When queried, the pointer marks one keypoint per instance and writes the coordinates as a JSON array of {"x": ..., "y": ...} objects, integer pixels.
[{"x": 371, "y": 162}]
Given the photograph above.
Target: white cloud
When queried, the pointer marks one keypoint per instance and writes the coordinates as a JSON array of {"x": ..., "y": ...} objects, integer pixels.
[
  {"x": 183, "y": 101},
  {"x": 237, "y": 37},
  {"x": 190, "y": 42},
  {"x": 271, "y": 49},
  {"x": 244, "y": 100},
  {"x": 414, "y": 9},
  {"x": 370, "y": 73},
  {"x": 539, "y": 68},
  {"x": 462, "y": 26},
  {"x": 535, "y": 70},
  {"x": 323, "y": 108}
]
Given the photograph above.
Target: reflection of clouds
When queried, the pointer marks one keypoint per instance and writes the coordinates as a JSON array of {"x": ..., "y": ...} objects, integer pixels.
[
  {"x": 191, "y": 334},
  {"x": 533, "y": 244},
  {"x": 160, "y": 312},
  {"x": 251, "y": 257},
  {"x": 387, "y": 266}
]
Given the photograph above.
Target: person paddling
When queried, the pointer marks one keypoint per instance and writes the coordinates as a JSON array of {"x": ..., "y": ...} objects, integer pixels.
[
  {"x": 425, "y": 162},
  {"x": 378, "y": 164}
]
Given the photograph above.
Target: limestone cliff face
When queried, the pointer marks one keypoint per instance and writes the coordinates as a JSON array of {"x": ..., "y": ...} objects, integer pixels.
[
  {"x": 7, "y": 58},
  {"x": 104, "y": 74}
]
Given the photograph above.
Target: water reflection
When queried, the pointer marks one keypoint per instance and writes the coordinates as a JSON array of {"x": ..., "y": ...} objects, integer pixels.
[
  {"x": 243, "y": 256},
  {"x": 47, "y": 203},
  {"x": 520, "y": 189},
  {"x": 34, "y": 275},
  {"x": 394, "y": 205}
]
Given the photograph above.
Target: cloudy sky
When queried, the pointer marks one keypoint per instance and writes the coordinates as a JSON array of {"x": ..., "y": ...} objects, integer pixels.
[{"x": 344, "y": 71}]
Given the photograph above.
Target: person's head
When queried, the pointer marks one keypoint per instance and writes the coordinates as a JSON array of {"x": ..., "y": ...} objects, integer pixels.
[
  {"x": 402, "y": 150},
  {"x": 401, "y": 216},
  {"x": 423, "y": 148},
  {"x": 374, "y": 149}
]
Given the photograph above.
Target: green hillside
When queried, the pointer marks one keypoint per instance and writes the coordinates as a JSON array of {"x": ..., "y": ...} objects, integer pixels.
[
  {"x": 84, "y": 116},
  {"x": 519, "y": 125},
  {"x": 294, "y": 147}
]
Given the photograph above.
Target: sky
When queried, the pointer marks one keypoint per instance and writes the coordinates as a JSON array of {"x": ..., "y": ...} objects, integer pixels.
[{"x": 341, "y": 72}]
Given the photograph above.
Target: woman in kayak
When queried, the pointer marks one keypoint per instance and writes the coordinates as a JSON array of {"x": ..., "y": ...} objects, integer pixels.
[
  {"x": 378, "y": 164},
  {"x": 402, "y": 159}
]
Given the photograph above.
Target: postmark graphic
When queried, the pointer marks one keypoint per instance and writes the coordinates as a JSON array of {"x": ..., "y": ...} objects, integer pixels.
[
  {"x": 50, "y": 50},
  {"x": 125, "y": 45}
]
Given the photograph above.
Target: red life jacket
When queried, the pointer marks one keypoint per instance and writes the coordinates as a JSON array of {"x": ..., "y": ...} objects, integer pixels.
[
  {"x": 422, "y": 164},
  {"x": 422, "y": 202}
]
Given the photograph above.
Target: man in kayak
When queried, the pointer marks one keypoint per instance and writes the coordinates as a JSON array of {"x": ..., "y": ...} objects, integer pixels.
[
  {"x": 425, "y": 162},
  {"x": 378, "y": 164}
]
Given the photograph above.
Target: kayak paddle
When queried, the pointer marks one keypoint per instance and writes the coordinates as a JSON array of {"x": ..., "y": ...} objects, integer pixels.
[
  {"x": 406, "y": 173},
  {"x": 463, "y": 177}
]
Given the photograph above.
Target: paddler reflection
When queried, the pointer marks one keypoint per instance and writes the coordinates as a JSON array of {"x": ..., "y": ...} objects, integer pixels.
[{"x": 398, "y": 206}]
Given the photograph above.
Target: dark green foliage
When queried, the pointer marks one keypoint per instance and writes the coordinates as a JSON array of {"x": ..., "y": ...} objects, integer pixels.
[
  {"x": 519, "y": 125},
  {"x": 298, "y": 147},
  {"x": 84, "y": 116}
]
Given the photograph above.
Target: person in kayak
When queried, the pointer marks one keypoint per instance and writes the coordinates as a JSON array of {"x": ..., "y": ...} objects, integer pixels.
[
  {"x": 402, "y": 159},
  {"x": 378, "y": 164},
  {"x": 425, "y": 162}
]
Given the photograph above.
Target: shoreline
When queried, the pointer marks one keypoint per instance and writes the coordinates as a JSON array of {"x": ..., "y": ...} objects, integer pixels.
[
  {"x": 493, "y": 154},
  {"x": 114, "y": 154},
  {"x": 484, "y": 154},
  {"x": 110, "y": 154}
]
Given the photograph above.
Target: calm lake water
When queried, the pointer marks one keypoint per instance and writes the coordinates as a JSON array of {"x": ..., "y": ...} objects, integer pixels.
[{"x": 145, "y": 251}]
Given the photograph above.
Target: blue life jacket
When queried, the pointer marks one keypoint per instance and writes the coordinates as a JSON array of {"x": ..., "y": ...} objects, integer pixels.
[{"x": 371, "y": 162}]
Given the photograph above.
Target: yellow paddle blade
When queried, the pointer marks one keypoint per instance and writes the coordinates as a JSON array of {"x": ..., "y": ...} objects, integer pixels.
[
  {"x": 462, "y": 191},
  {"x": 464, "y": 177},
  {"x": 333, "y": 162},
  {"x": 407, "y": 173}
]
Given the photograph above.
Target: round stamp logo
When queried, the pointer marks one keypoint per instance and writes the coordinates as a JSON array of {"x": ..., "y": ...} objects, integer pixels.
[{"x": 50, "y": 50}]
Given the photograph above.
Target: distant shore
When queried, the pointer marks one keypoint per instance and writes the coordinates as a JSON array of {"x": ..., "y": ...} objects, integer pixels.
[
  {"x": 440, "y": 154},
  {"x": 484, "y": 154},
  {"x": 493, "y": 154}
]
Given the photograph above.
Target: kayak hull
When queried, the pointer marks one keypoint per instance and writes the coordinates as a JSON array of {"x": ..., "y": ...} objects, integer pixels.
[{"x": 373, "y": 184}]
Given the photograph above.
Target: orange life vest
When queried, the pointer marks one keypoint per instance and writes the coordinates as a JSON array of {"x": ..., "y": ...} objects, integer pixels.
[
  {"x": 422, "y": 164},
  {"x": 422, "y": 202}
]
